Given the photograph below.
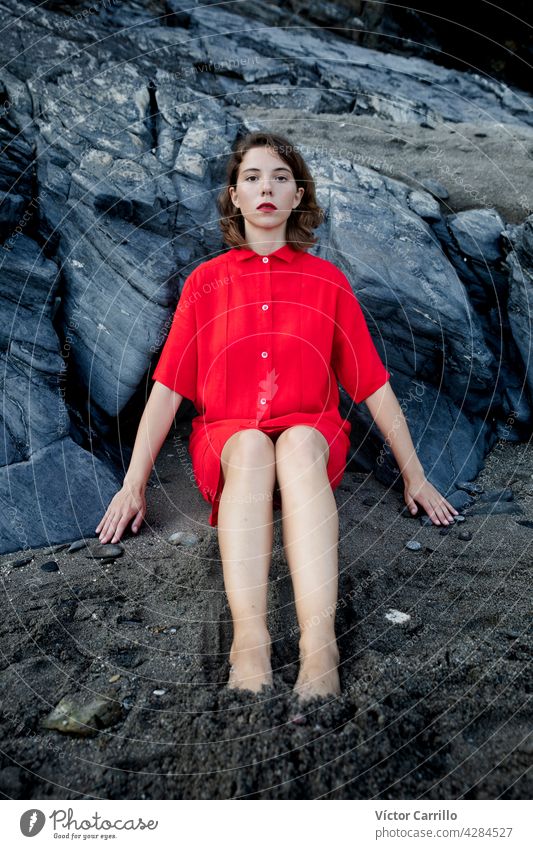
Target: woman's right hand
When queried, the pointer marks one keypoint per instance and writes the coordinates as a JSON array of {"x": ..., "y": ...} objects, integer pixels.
[{"x": 128, "y": 503}]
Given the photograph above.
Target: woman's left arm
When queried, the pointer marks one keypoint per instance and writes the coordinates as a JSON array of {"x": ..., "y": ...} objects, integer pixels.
[{"x": 388, "y": 416}]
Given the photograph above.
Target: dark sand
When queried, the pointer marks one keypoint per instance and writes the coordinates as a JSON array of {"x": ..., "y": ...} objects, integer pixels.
[{"x": 437, "y": 708}]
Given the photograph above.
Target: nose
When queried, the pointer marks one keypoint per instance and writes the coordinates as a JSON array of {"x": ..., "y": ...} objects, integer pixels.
[{"x": 266, "y": 186}]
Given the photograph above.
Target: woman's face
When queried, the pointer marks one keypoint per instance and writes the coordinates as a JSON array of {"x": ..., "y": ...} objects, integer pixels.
[{"x": 266, "y": 191}]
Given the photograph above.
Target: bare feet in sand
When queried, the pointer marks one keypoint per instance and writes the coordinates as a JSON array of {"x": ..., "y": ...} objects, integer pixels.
[
  {"x": 249, "y": 660},
  {"x": 319, "y": 674}
]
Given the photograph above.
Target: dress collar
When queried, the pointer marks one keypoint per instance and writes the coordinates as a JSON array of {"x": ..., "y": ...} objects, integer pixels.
[{"x": 286, "y": 253}]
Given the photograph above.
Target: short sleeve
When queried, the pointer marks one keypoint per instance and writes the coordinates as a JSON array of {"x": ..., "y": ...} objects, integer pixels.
[
  {"x": 355, "y": 360},
  {"x": 177, "y": 366}
]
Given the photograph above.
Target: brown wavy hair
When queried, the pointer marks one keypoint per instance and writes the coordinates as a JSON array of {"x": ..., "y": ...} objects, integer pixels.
[{"x": 302, "y": 220}]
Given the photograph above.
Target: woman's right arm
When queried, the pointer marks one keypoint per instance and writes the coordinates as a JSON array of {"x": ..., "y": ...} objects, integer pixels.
[{"x": 129, "y": 502}]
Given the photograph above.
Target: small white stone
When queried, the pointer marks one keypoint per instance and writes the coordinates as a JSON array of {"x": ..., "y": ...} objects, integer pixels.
[
  {"x": 183, "y": 538},
  {"x": 397, "y": 617},
  {"x": 159, "y": 692}
]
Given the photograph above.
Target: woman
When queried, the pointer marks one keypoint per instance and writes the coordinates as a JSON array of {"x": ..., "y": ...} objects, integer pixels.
[{"x": 260, "y": 335}]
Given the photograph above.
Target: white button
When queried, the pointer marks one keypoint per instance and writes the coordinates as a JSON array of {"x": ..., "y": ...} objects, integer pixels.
[
  {"x": 264, "y": 353},
  {"x": 265, "y": 259},
  {"x": 265, "y": 306},
  {"x": 263, "y": 400}
]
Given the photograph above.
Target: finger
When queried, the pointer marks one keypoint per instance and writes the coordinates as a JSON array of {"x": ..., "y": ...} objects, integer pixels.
[
  {"x": 441, "y": 513},
  {"x": 138, "y": 520},
  {"x": 432, "y": 513},
  {"x": 109, "y": 524},
  {"x": 121, "y": 526},
  {"x": 451, "y": 508},
  {"x": 410, "y": 503}
]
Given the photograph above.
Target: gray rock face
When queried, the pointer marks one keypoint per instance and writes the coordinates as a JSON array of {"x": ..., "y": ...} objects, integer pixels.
[
  {"x": 520, "y": 264},
  {"x": 112, "y": 157}
]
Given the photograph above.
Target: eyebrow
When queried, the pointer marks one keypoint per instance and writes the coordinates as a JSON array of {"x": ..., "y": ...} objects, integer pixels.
[{"x": 279, "y": 168}]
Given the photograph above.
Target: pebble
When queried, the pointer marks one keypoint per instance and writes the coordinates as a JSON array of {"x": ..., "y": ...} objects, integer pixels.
[
  {"x": 459, "y": 518},
  {"x": 76, "y": 716},
  {"x": 397, "y": 617},
  {"x": 114, "y": 679},
  {"x": 183, "y": 538},
  {"x": 370, "y": 501},
  {"x": 16, "y": 564},
  {"x": 101, "y": 552},
  {"x": 465, "y": 535},
  {"x": 413, "y": 545},
  {"x": 445, "y": 530},
  {"x": 75, "y": 546},
  {"x": 55, "y": 548},
  {"x": 435, "y": 188},
  {"x": 298, "y": 719},
  {"x": 525, "y": 523},
  {"x": 425, "y": 520},
  {"x": 50, "y": 566},
  {"x": 173, "y": 631},
  {"x": 159, "y": 692}
]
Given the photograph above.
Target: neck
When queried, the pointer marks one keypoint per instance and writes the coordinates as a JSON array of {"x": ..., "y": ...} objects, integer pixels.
[{"x": 264, "y": 241}]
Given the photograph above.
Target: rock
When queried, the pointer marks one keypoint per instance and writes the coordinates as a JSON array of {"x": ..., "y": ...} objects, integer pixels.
[
  {"x": 519, "y": 262},
  {"x": 370, "y": 501},
  {"x": 70, "y": 320},
  {"x": 424, "y": 206},
  {"x": 459, "y": 519},
  {"x": 435, "y": 188},
  {"x": 159, "y": 692},
  {"x": 83, "y": 718},
  {"x": 526, "y": 523},
  {"x": 478, "y": 234},
  {"x": 465, "y": 535},
  {"x": 397, "y": 617},
  {"x": 183, "y": 538},
  {"x": 413, "y": 545},
  {"x": 77, "y": 545},
  {"x": 23, "y": 561},
  {"x": 38, "y": 507},
  {"x": 50, "y": 566},
  {"x": 105, "y": 552}
]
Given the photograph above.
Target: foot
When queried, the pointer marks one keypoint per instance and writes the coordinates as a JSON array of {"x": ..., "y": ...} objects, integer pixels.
[
  {"x": 250, "y": 665},
  {"x": 319, "y": 675}
]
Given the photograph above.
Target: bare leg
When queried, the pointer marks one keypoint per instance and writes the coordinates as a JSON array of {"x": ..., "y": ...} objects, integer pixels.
[
  {"x": 310, "y": 536},
  {"x": 245, "y": 535}
]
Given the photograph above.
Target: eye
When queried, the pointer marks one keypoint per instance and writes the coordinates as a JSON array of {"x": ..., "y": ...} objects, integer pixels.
[
  {"x": 251, "y": 177},
  {"x": 282, "y": 177}
]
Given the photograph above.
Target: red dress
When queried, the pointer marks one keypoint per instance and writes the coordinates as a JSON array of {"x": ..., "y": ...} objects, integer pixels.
[{"x": 259, "y": 342}]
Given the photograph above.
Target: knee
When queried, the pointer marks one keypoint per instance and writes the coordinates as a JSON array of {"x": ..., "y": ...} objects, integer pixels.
[
  {"x": 303, "y": 446},
  {"x": 250, "y": 449}
]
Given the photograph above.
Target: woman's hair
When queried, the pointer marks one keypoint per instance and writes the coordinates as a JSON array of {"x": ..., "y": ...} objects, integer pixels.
[{"x": 302, "y": 220}]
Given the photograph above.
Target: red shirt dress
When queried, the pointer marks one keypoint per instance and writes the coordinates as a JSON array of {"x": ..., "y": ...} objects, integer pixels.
[{"x": 259, "y": 342}]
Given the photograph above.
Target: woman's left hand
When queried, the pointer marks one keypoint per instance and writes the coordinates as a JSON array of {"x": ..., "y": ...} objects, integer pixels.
[{"x": 422, "y": 491}]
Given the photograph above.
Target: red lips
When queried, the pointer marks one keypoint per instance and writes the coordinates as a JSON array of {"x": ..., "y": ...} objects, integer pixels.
[{"x": 267, "y": 206}]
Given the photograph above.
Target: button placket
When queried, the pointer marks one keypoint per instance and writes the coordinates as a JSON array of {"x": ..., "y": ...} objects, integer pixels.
[{"x": 265, "y": 340}]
